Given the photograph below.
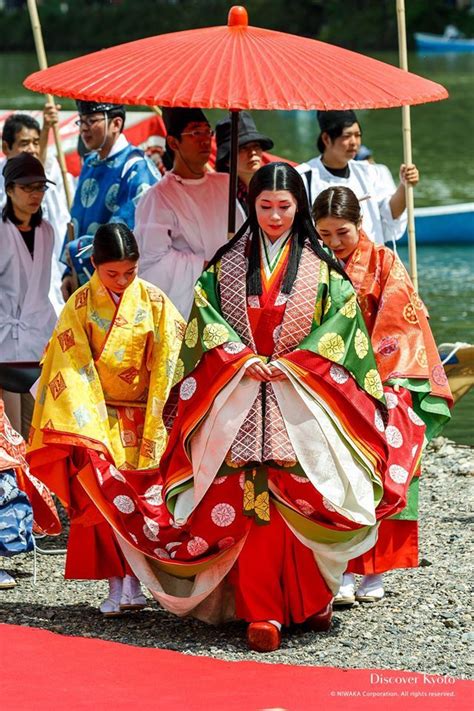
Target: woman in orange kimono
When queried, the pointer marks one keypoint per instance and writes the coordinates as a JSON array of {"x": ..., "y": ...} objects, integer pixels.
[
  {"x": 407, "y": 359},
  {"x": 106, "y": 375}
]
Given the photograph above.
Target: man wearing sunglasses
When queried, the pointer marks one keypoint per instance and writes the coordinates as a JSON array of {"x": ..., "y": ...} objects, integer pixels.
[
  {"x": 182, "y": 221},
  {"x": 115, "y": 174}
]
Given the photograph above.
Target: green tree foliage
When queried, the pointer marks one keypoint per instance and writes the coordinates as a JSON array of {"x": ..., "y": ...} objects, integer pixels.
[{"x": 86, "y": 25}]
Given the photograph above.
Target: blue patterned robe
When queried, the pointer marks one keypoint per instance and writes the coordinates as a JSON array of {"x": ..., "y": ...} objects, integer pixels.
[{"x": 108, "y": 191}]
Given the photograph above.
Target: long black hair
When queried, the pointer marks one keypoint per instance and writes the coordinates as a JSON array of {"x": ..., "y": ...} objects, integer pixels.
[
  {"x": 279, "y": 176},
  {"x": 114, "y": 242}
]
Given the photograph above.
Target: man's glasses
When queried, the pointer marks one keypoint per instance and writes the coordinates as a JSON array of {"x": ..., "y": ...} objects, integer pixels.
[
  {"x": 200, "y": 133},
  {"x": 88, "y": 122},
  {"x": 34, "y": 188}
]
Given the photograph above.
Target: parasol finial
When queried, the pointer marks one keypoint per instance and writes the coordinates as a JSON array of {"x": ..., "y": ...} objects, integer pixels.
[{"x": 238, "y": 17}]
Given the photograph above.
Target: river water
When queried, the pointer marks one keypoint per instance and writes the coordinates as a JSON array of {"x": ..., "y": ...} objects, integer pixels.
[{"x": 443, "y": 149}]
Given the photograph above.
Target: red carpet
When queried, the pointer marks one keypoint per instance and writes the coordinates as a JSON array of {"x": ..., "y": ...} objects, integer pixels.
[{"x": 40, "y": 670}]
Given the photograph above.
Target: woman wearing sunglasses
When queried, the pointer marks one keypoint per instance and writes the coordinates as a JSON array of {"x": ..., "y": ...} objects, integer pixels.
[{"x": 27, "y": 303}]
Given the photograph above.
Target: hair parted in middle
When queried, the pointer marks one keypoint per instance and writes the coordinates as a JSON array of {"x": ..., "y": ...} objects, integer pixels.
[
  {"x": 279, "y": 176},
  {"x": 114, "y": 242},
  {"x": 337, "y": 201}
]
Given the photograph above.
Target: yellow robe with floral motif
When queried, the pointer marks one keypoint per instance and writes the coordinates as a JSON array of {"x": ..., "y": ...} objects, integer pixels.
[
  {"x": 104, "y": 360},
  {"x": 106, "y": 375}
]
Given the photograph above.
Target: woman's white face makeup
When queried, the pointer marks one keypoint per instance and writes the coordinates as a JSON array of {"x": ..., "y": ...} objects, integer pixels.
[
  {"x": 340, "y": 235},
  {"x": 276, "y": 210}
]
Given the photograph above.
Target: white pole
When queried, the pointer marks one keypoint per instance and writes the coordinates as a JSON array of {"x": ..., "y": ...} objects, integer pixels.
[
  {"x": 43, "y": 64},
  {"x": 407, "y": 152}
]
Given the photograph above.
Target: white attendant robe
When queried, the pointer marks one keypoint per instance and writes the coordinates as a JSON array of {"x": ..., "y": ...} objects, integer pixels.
[
  {"x": 364, "y": 179},
  {"x": 179, "y": 225},
  {"x": 27, "y": 315}
]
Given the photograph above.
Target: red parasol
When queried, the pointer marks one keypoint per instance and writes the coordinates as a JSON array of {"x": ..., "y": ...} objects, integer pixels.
[{"x": 235, "y": 67}]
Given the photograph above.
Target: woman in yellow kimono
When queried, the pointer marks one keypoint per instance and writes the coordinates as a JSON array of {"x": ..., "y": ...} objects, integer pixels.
[{"x": 106, "y": 375}]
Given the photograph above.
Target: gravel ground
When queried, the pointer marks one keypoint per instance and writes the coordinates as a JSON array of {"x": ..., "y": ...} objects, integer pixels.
[{"x": 423, "y": 624}]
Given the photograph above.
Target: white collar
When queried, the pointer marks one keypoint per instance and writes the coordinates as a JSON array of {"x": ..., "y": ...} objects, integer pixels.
[{"x": 274, "y": 245}]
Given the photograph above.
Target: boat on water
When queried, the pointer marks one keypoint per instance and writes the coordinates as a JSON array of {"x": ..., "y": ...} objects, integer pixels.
[
  {"x": 441, "y": 43},
  {"x": 453, "y": 224},
  {"x": 458, "y": 361}
]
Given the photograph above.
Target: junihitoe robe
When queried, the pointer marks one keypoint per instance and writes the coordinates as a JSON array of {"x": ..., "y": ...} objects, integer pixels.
[{"x": 316, "y": 460}]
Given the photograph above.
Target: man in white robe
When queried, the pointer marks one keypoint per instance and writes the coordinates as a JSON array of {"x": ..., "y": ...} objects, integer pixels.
[
  {"x": 383, "y": 204},
  {"x": 182, "y": 221}
]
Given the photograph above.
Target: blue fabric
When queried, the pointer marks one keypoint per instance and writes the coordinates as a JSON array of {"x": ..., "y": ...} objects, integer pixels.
[
  {"x": 106, "y": 194},
  {"x": 16, "y": 517}
]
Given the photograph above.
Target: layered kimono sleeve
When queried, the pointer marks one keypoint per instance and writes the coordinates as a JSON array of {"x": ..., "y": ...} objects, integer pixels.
[
  {"x": 405, "y": 349},
  {"x": 335, "y": 374},
  {"x": 70, "y": 408},
  {"x": 339, "y": 333}
]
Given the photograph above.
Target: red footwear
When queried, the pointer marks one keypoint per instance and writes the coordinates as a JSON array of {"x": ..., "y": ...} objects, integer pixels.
[
  {"x": 321, "y": 621},
  {"x": 263, "y": 637}
]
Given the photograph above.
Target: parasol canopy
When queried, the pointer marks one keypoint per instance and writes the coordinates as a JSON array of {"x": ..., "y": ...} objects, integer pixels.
[{"x": 235, "y": 66}]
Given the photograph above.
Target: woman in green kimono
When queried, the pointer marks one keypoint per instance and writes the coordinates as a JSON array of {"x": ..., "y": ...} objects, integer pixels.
[{"x": 281, "y": 458}]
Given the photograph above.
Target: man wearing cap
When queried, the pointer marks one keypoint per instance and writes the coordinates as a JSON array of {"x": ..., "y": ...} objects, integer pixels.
[
  {"x": 383, "y": 205},
  {"x": 182, "y": 221},
  {"x": 114, "y": 176},
  {"x": 250, "y": 156}
]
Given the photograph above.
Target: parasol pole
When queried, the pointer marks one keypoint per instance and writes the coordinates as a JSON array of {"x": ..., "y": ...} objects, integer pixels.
[
  {"x": 407, "y": 146},
  {"x": 43, "y": 64},
  {"x": 234, "y": 147}
]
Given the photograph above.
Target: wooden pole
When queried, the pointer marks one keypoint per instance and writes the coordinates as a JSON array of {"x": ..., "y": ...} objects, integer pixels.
[
  {"x": 43, "y": 64},
  {"x": 407, "y": 151},
  {"x": 234, "y": 153}
]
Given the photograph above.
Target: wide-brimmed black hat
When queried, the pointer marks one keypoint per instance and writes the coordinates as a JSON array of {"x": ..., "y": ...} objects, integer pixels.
[
  {"x": 247, "y": 134},
  {"x": 177, "y": 118},
  {"x": 24, "y": 169},
  {"x": 94, "y": 107}
]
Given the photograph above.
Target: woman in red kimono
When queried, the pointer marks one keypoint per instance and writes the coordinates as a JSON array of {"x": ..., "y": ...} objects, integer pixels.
[{"x": 407, "y": 358}]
